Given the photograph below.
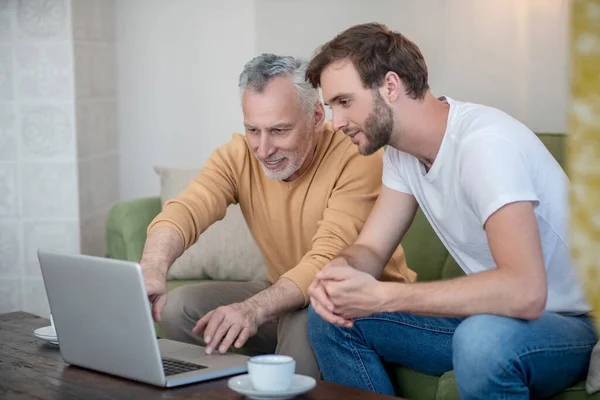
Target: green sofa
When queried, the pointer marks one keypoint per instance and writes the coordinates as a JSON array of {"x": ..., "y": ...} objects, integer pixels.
[{"x": 126, "y": 232}]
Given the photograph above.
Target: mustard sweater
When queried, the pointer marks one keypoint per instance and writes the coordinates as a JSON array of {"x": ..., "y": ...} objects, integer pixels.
[{"x": 299, "y": 226}]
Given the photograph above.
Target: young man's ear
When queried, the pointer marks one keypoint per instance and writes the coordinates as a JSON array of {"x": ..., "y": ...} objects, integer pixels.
[{"x": 392, "y": 86}]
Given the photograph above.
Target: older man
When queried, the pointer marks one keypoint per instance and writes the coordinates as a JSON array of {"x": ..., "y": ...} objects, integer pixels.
[{"x": 305, "y": 193}]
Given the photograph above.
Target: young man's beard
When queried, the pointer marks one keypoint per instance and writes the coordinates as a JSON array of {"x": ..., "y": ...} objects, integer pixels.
[{"x": 378, "y": 126}]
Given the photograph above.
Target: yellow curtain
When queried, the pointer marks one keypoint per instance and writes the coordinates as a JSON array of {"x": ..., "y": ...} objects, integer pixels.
[{"x": 584, "y": 145}]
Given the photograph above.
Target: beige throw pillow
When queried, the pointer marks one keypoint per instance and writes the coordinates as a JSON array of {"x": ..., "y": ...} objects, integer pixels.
[{"x": 225, "y": 251}]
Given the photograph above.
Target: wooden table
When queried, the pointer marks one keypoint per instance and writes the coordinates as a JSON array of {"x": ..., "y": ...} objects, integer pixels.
[{"x": 32, "y": 369}]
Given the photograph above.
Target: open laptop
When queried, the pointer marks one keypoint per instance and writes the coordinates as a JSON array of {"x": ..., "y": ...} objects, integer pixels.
[{"x": 103, "y": 322}]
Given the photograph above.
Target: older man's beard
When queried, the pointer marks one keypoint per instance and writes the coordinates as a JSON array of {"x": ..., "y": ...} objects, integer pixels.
[
  {"x": 294, "y": 162},
  {"x": 379, "y": 126},
  {"x": 295, "y": 159}
]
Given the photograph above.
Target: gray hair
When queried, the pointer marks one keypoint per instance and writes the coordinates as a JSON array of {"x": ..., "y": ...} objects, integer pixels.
[{"x": 260, "y": 70}]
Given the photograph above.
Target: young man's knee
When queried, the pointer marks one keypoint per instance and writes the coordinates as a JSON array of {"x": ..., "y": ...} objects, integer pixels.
[
  {"x": 319, "y": 330},
  {"x": 480, "y": 344},
  {"x": 314, "y": 322}
]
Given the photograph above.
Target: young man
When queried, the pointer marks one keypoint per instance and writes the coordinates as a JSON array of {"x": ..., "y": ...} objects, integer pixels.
[
  {"x": 305, "y": 193},
  {"x": 516, "y": 325}
]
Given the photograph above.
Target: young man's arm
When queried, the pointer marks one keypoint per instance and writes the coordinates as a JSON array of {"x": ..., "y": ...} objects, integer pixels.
[
  {"x": 382, "y": 233},
  {"x": 497, "y": 187},
  {"x": 346, "y": 219},
  {"x": 385, "y": 227},
  {"x": 516, "y": 288}
]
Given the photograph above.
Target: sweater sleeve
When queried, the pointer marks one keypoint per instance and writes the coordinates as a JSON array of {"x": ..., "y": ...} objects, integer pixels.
[
  {"x": 208, "y": 195},
  {"x": 351, "y": 200}
]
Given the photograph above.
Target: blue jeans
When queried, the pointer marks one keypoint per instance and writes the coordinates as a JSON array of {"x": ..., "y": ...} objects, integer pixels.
[{"x": 493, "y": 357}]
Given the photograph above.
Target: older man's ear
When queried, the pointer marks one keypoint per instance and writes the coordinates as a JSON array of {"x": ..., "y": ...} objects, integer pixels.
[{"x": 319, "y": 117}]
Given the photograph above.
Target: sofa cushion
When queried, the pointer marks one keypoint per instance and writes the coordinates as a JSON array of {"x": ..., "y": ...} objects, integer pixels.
[
  {"x": 555, "y": 143},
  {"x": 225, "y": 251},
  {"x": 412, "y": 384},
  {"x": 446, "y": 388},
  {"x": 425, "y": 253}
]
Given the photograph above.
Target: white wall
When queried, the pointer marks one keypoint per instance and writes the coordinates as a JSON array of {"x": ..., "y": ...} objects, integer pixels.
[
  {"x": 38, "y": 166},
  {"x": 57, "y": 138},
  {"x": 510, "y": 54},
  {"x": 178, "y": 64}
]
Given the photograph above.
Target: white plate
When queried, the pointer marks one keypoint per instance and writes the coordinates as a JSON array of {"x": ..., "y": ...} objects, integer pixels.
[
  {"x": 46, "y": 333},
  {"x": 300, "y": 384}
]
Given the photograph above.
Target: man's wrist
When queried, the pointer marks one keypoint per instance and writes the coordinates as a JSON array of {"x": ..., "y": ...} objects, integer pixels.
[
  {"x": 162, "y": 272},
  {"x": 389, "y": 294},
  {"x": 342, "y": 259},
  {"x": 258, "y": 311}
]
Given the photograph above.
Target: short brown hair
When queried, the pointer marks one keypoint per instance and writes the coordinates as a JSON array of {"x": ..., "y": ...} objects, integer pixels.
[{"x": 374, "y": 50}]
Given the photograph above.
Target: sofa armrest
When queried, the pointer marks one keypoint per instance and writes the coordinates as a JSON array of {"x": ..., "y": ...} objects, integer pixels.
[{"x": 126, "y": 225}]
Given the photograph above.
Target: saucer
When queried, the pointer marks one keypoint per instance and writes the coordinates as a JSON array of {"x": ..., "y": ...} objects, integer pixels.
[
  {"x": 47, "y": 333},
  {"x": 243, "y": 385}
]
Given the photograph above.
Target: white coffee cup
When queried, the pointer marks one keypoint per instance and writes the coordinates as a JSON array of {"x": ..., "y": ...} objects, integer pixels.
[{"x": 271, "y": 372}]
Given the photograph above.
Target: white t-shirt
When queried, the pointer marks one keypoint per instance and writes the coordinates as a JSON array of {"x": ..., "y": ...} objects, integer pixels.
[{"x": 488, "y": 159}]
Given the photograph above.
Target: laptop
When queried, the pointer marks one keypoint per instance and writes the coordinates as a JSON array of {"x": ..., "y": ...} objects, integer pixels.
[{"x": 103, "y": 322}]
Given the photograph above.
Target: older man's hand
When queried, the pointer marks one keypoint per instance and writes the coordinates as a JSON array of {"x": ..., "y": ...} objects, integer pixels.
[
  {"x": 227, "y": 325},
  {"x": 155, "y": 282}
]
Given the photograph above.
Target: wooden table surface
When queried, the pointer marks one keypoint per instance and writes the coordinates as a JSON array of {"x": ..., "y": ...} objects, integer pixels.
[{"x": 32, "y": 369}]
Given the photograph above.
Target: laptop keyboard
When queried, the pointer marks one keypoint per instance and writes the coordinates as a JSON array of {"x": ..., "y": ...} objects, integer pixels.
[{"x": 174, "y": 367}]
